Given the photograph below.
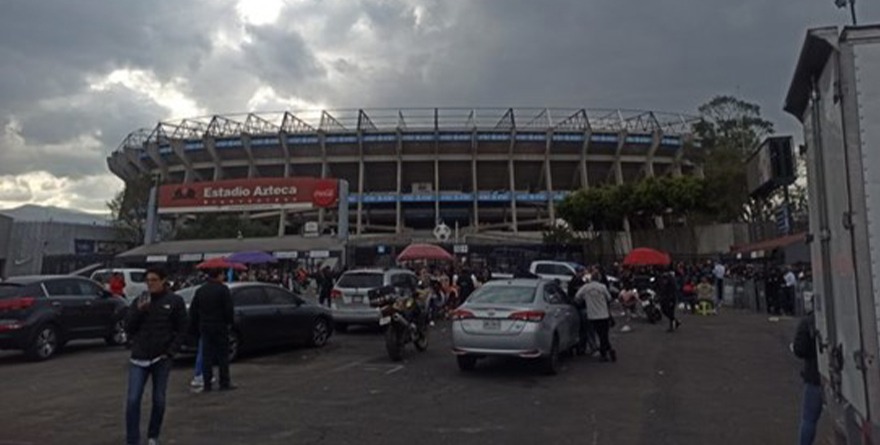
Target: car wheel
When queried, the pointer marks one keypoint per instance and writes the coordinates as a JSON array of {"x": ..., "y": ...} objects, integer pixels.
[
  {"x": 551, "y": 362},
  {"x": 466, "y": 363},
  {"x": 320, "y": 333},
  {"x": 118, "y": 336},
  {"x": 234, "y": 346},
  {"x": 44, "y": 344}
]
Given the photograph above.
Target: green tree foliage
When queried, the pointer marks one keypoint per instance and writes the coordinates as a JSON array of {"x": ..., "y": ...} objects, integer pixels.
[
  {"x": 129, "y": 210},
  {"x": 730, "y": 130},
  {"x": 603, "y": 208},
  {"x": 215, "y": 226}
]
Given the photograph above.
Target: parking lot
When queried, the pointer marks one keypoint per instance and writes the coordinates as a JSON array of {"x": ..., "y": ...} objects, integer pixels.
[{"x": 720, "y": 380}]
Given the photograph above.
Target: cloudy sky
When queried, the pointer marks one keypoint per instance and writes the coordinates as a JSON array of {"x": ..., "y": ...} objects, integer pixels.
[{"x": 76, "y": 76}]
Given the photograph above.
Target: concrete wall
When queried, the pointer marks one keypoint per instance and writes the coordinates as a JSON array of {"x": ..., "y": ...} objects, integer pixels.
[
  {"x": 693, "y": 241},
  {"x": 31, "y": 242}
]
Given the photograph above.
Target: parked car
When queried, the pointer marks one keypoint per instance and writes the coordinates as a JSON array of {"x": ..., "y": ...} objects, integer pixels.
[
  {"x": 526, "y": 318},
  {"x": 349, "y": 300},
  {"x": 268, "y": 315},
  {"x": 40, "y": 314},
  {"x": 135, "y": 283},
  {"x": 563, "y": 271}
]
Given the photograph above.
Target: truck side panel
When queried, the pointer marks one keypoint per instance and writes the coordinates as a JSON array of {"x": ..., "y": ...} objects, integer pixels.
[{"x": 846, "y": 322}]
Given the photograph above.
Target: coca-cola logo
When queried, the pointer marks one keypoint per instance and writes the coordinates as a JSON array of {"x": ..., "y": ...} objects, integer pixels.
[{"x": 324, "y": 195}]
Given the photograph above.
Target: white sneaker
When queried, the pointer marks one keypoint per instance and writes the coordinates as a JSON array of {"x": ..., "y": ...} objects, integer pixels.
[
  {"x": 197, "y": 382},
  {"x": 153, "y": 442}
]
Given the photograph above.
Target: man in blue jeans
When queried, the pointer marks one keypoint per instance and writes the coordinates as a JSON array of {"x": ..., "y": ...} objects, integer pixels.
[
  {"x": 156, "y": 323},
  {"x": 804, "y": 347}
]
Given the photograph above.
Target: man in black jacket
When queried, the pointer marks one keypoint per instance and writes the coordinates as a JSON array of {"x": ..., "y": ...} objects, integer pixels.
[
  {"x": 212, "y": 314},
  {"x": 156, "y": 323},
  {"x": 804, "y": 347}
]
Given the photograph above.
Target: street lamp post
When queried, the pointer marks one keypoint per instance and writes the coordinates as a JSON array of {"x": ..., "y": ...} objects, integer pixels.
[{"x": 852, "y": 8}]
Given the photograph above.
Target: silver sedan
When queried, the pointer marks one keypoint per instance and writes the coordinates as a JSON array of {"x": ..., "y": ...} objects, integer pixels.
[{"x": 524, "y": 318}]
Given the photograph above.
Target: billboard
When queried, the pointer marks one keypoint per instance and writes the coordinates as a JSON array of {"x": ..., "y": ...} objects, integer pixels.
[
  {"x": 771, "y": 166},
  {"x": 235, "y": 195}
]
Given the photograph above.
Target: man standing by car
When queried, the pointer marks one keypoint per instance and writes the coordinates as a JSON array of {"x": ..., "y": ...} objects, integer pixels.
[
  {"x": 597, "y": 300},
  {"x": 156, "y": 323},
  {"x": 325, "y": 286},
  {"x": 212, "y": 313}
]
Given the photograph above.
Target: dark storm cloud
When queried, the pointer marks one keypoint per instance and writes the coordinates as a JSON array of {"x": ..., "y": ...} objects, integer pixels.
[{"x": 280, "y": 57}]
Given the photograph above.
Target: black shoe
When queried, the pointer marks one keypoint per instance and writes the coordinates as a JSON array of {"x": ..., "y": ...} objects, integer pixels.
[
  {"x": 613, "y": 354},
  {"x": 677, "y": 324},
  {"x": 229, "y": 387}
]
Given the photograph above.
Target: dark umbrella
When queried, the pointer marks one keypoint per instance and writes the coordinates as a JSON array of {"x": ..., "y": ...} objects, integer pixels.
[
  {"x": 220, "y": 263},
  {"x": 255, "y": 257},
  {"x": 644, "y": 256}
]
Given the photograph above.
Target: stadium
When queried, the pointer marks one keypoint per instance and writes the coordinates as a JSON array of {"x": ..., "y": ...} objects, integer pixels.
[{"x": 408, "y": 170}]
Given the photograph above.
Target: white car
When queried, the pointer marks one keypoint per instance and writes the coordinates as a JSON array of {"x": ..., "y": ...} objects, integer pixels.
[
  {"x": 563, "y": 271},
  {"x": 135, "y": 283}
]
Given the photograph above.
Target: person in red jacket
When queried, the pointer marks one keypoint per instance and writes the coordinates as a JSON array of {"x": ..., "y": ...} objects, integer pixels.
[{"x": 116, "y": 283}]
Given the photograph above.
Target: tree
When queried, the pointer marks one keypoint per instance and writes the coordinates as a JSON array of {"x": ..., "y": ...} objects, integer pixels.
[
  {"x": 728, "y": 133},
  {"x": 128, "y": 209}
]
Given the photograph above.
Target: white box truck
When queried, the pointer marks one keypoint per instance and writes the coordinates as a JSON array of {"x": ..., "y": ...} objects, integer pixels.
[{"x": 835, "y": 93}]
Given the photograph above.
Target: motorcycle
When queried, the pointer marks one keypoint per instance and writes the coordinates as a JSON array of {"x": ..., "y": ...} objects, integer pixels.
[
  {"x": 649, "y": 305},
  {"x": 404, "y": 318}
]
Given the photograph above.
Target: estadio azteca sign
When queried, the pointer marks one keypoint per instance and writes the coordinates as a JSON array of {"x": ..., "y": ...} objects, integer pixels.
[{"x": 248, "y": 194}]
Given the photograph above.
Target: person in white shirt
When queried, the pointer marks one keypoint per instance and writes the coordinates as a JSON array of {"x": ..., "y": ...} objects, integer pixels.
[
  {"x": 597, "y": 300},
  {"x": 719, "y": 271}
]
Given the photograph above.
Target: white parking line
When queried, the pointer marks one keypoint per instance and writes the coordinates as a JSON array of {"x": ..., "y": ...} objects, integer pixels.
[{"x": 393, "y": 370}]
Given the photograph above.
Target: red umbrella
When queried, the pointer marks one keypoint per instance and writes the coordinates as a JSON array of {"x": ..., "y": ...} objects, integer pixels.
[
  {"x": 424, "y": 252},
  {"x": 220, "y": 263},
  {"x": 644, "y": 256}
]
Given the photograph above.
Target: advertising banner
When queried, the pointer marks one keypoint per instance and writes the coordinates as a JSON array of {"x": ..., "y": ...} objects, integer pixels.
[{"x": 237, "y": 195}]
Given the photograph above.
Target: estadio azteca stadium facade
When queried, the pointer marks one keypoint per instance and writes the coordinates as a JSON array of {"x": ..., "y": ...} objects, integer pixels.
[{"x": 409, "y": 169}]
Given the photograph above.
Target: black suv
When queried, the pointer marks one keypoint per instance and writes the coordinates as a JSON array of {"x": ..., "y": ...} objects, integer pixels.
[{"x": 39, "y": 314}]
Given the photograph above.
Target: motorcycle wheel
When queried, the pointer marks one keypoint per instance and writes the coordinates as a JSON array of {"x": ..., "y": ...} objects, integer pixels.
[
  {"x": 421, "y": 340},
  {"x": 393, "y": 343}
]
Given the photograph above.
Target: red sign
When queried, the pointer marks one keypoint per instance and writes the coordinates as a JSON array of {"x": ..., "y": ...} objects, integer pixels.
[{"x": 236, "y": 195}]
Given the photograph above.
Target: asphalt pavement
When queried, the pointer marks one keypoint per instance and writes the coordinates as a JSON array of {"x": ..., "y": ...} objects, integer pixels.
[{"x": 728, "y": 379}]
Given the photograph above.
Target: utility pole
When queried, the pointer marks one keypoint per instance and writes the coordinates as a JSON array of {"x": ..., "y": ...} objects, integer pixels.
[{"x": 852, "y": 8}]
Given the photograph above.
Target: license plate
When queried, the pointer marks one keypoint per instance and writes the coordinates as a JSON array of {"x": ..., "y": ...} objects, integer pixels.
[
  {"x": 492, "y": 325},
  {"x": 384, "y": 320},
  {"x": 357, "y": 299}
]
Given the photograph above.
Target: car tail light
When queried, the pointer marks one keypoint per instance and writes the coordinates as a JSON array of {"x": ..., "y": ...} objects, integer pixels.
[
  {"x": 527, "y": 316},
  {"x": 335, "y": 293},
  {"x": 10, "y": 325},
  {"x": 461, "y": 314},
  {"x": 17, "y": 304}
]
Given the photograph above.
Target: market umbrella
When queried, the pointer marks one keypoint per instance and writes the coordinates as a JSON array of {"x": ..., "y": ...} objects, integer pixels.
[
  {"x": 220, "y": 263},
  {"x": 424, "y": 252},
  {"x": 644, "y": 256},
  {"x": 254, "y": 257}
]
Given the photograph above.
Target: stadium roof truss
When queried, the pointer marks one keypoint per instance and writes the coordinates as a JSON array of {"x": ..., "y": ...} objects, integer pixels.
[{"x": 413, "y": 119}]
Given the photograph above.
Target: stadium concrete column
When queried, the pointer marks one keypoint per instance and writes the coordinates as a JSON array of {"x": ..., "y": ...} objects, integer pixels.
[
  {"x": 548, "y": 175},
  {"x": 360, "y": 201},
  {"x": 585, "y": 151},
  {"x": 152, "y": 149},
  {"x": 618, "y": 171},
  {"x": 649, "y": 168},
  {"x": 511, "y": 170},
  {"x": 474, "y": 184},
  {"x": 252, "y": 167},
  {"x": 208, "y": 141},
  {"x": 398, "y": 214},
  {"x": 282, "y": 218},
  {"x": 189, "y": 173},
  {"x": 322, "y": 137}
]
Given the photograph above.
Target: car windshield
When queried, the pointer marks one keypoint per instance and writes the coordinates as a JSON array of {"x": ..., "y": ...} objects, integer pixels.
[
  {"x": 504, "y": 295},
  {"x": 137, "y": 277},
  {"x": 10, "y": 290},
  {"x": 361, "y": 280}
]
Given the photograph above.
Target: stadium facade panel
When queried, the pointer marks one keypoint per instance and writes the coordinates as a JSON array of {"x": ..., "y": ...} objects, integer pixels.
[{"x": 408, "y": 169}]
